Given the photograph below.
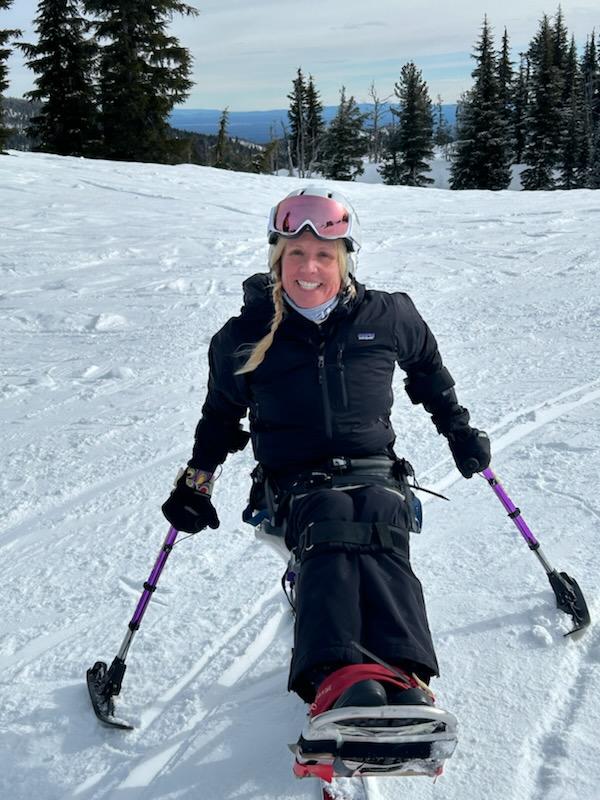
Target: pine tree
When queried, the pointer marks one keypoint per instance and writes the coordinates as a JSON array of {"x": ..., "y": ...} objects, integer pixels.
[
  {"x": 297, "y": 120},
  {"x": 416, "y": 125},
  {"x": 506, "y": 88},
  {"x": 442, "y": 135},
  {"x": 314, "y": 127},
  {"x": 264, "y": 161},
  {"x": 482, "y": 156},
  {"x": 144, "y": 72},
  {"x": 584, "y": 156},
  {"x": 572, "y": 129},
  {"x": 345, "y": 142},
  {"x": 277, "y": 154},
  {"x": 590, "y": 68},
  {"x": 391, "y": 169},
  {"x": 5, "y": 36},
  {"x": 464, "y": 141},
  {"x": 561, "y": 41},
  {"x": 413, "y": 141},
  {"x": 521, "y": 108},
  {"x": 63, "y": 60},
  {"x": 221, "y": 146},
  {"x": 593, "y": 177},
  {"x": 542, "y": 150}
]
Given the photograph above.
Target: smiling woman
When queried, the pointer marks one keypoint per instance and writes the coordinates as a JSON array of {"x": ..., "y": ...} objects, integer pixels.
[{"x": 318, "y": 388}]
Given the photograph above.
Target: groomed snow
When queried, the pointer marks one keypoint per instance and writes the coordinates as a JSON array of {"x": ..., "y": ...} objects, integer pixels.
[{"x": 113, "y": 279}]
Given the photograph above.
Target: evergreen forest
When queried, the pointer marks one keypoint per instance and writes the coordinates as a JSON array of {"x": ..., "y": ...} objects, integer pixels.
[{"x": 108, "y": 75}]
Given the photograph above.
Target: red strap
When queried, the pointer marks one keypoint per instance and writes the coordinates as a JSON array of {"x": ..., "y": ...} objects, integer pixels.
[
  {"x": 336, "y": 684},
  {"x": 323, "y": 771}
]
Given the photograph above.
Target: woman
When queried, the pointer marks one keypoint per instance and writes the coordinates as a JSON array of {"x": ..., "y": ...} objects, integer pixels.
[{"x": 316, "y": 380}]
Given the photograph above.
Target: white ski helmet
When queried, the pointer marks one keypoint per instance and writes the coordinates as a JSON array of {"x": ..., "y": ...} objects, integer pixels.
[{"x": 327, "y": 213}]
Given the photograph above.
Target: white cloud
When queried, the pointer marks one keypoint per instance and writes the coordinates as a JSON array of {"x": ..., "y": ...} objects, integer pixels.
[{"x": 246, "y": 54}]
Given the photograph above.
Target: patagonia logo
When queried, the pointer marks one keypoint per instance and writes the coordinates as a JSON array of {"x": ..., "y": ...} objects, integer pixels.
[{"x": 365, "y": 337}]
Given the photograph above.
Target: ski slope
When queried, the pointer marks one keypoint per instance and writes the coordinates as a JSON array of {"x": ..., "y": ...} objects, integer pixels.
[{"x": 113, "y": 277}]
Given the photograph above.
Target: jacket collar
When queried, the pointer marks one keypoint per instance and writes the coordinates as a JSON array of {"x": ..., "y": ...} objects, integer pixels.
[{"x": 258, "y": 300}]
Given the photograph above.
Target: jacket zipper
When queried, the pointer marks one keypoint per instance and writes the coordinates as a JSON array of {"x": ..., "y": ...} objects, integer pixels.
[
  {"x": 256, "y": 434},
  {"x": 324, "y": 392},
  {"x": 342, "y": 374}
]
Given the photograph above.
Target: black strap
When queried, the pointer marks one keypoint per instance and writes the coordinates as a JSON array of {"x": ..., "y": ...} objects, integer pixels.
[
  {"x": 384, "y": 535},
  {"x": 388, "y": 537},
  {"x": 367, "y": 478}
]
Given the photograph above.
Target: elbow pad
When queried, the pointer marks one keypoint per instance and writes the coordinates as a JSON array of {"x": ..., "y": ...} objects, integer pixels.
[
  {"x": 427, "y": 388},
  {"x": 435, "y": 391},
  {"x": 213, "y": 442}
]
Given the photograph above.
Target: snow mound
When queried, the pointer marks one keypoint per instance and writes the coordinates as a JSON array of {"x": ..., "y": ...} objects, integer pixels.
[
  {"x": 108, "y": 322},
  {"x": 95, "y": 373},
  {"x": 180, "y": 285}
]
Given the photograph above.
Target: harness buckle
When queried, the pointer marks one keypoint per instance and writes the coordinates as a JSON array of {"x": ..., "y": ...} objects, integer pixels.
[
  {"x": 311, "y": 480},
  {"x": 339, "y": 464}
]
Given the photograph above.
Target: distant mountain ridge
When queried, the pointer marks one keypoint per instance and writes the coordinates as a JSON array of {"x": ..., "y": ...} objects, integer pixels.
[
  {"x": 261, "y": 126},
  {"x": 252, "y": 126}
]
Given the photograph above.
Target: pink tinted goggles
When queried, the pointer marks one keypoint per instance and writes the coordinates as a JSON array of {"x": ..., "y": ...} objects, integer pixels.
[{"x": 328, "y": 218}]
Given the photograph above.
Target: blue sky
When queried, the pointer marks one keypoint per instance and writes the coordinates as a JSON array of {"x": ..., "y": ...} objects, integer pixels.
[{"x": 246, "y": 52}]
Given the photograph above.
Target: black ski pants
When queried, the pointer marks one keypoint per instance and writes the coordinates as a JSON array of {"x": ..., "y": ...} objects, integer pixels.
[{"x": 356, "y": 593}]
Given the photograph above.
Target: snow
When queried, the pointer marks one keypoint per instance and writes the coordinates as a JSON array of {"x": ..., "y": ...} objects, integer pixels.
[
  {"x": 439, "y": 172},
  {"x": 114, "y": 276}
]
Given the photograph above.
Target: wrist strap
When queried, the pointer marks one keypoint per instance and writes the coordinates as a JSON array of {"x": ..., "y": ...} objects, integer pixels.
[{"x": 199, "y": 480}]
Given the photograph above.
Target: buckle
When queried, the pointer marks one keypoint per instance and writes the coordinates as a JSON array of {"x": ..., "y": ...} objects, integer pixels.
[
  {"x": 304, "y": 543},
  {"x": 308, "y": 481},
  {"x": 340, "y": 464}
]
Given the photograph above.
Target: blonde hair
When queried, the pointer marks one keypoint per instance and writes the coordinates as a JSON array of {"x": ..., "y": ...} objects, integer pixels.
[{"x": 276, "y": 251}]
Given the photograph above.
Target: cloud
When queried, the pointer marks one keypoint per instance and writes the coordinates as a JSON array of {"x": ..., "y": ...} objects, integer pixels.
[
  {"x": 246, "y": 54},
  {"x": 360, "y": 26}
]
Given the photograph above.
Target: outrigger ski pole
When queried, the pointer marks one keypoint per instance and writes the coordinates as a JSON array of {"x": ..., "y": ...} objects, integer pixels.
[
  {"x": 105, "y": 682},
  {"x": 569, "y": 597}
]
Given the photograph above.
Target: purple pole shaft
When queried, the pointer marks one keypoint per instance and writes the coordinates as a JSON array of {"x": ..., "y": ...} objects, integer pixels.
[
  {"x": 513, "y": 512},
  {"x": 150, "y": 584}
]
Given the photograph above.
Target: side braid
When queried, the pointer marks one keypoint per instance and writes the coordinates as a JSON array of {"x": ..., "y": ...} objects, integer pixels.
[
  {"x": 257, "y": 355},
  {"x": 351, "y": 292}
]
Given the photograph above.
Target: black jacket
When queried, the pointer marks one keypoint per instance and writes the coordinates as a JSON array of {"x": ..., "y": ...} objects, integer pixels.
[{"x": 322, "y": 390}]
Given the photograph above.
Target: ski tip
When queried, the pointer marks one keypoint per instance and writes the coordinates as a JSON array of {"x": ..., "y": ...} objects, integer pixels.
[
  {"x": 577, "y": 633},
  {"x": 570, "y": 599},
  {"x": 102, "y": 703},
  {"x": 112, "y": 722}
]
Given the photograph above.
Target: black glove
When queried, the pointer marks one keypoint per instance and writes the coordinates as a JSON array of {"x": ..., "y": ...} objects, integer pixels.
[
  {"x": 189, "y": 508},
  {"x": 470, "y": 449}
]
